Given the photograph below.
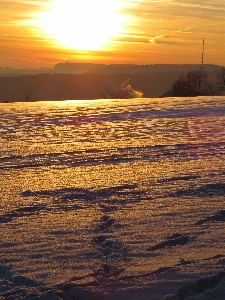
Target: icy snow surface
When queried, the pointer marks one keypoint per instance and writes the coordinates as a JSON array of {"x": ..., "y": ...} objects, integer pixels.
[{"x": 112, "y": 199}]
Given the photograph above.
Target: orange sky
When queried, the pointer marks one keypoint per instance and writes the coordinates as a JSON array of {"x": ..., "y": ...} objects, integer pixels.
[{"x": 41, "y": 33}]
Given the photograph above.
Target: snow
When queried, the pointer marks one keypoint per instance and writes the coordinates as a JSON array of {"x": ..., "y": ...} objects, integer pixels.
[{"x": 113, "y": 199}]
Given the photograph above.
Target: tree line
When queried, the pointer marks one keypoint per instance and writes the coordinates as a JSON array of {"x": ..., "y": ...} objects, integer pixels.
[
  {"x": 196, "y": 83},
  {"x": 190, "y": 84},
  {"x": 199, "y": 80}
]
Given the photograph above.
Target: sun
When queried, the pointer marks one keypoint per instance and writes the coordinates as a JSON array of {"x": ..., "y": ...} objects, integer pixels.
[{"x": 83, "y": 24}]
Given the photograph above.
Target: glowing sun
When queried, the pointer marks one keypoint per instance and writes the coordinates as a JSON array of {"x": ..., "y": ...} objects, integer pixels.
[{"x": 83, "y": 24}]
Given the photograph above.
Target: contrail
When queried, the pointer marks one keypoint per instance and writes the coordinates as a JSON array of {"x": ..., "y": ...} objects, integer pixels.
[{"x": 32, "y": 57}]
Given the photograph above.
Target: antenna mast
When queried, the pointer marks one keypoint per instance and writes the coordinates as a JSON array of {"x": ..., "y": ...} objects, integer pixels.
[{"x": 203, "y": 48}]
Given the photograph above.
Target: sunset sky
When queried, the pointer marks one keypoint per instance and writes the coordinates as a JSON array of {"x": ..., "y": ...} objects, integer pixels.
[{"x": 41, "y": 33}]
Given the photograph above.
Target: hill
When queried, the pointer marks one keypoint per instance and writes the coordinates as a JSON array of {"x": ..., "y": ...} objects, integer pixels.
[{"x": 89, "y": 81}]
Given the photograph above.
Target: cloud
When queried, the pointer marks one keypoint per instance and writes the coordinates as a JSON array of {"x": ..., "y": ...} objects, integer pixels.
[
  {"x": 158, "y": 19},
  {"x": 174, "y": 9},
  {"x": 156, "y": 39},
  {"x": 165, "y": 40},
  {"x": 132, "y": 39}
]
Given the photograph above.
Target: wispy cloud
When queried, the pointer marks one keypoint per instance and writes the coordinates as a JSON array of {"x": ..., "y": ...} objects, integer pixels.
[
  {"x": 156, "y": 39},
  {"x": 132, "y": 39}
]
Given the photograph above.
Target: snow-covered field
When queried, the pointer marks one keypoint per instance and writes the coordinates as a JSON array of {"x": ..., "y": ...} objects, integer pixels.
[{"x": 113, "y": 199}]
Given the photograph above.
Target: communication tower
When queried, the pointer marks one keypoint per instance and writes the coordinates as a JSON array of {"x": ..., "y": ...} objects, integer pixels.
[{"x": 203, "y": 48}]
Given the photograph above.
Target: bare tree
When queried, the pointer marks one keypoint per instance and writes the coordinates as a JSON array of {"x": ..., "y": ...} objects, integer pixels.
[
  {"x": 221, "y": 80},
  {"x": 27, "y": 97},
  {"x": 193, "y": 83}
]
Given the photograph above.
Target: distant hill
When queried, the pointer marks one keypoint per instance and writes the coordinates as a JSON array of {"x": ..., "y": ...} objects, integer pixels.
[
  {"x": 89, "y": 81},
  {"x": 81, "y": 68},
  {"x": 7, "y": 71}
]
